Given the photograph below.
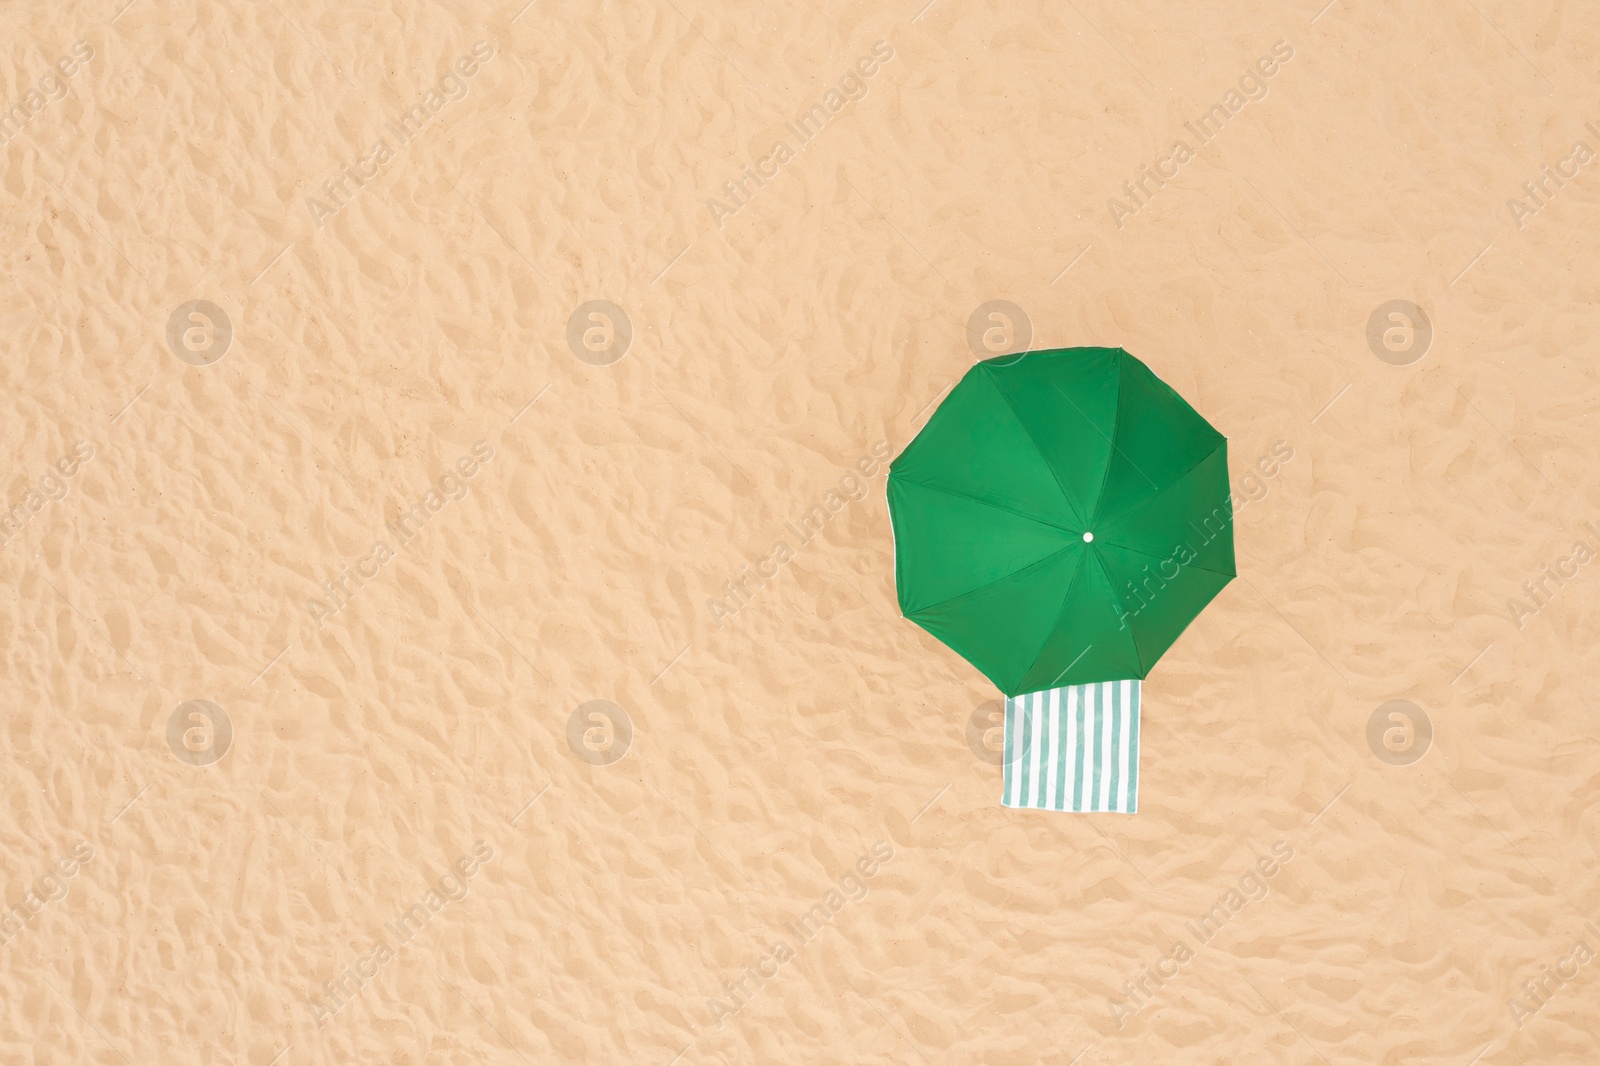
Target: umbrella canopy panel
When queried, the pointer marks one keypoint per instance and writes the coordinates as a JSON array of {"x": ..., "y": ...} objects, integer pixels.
[{"x": 1061, "y": 518}]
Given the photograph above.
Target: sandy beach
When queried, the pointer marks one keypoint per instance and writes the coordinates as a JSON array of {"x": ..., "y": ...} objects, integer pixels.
[{"x": 449, "y": 610}]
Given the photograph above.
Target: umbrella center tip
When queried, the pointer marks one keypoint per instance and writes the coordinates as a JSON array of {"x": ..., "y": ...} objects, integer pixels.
[{"x": 1087, "y": 536}]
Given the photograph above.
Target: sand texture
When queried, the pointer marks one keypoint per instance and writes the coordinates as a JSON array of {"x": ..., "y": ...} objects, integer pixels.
[{"x": 448, "y": 611}]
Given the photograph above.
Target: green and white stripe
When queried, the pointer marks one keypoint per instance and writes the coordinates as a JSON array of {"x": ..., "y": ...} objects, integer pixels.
[{"x": 1074, "y": 748}]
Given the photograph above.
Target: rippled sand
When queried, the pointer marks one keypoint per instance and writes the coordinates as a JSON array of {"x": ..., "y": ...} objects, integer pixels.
[{"x": 382, "y": 838}]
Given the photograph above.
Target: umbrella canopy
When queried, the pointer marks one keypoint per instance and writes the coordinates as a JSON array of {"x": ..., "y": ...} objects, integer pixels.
[{"x": 1061, "y": 519}]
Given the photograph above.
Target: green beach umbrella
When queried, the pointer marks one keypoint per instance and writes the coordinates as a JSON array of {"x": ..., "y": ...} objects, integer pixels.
[{"x": 1061, "y": 519}]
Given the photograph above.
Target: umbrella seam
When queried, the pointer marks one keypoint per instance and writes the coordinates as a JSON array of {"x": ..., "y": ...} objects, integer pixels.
[
  {"x": 989, "y": 584},
  {"x": 1138, "y": 656},
  {"x": 1015, "y": 414},
  {"x": 1050, "y": 632},
  {"x": 1116, "y": 421},
  {"x": 907, "y": 479},
  {"x": 1151, "y": 555},
  {"x": 993, "y": 680},
  {"x": 1222, "y": 442}
]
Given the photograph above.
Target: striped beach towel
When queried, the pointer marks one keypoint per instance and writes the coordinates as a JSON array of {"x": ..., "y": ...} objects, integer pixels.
[{"x": 1074, "y": 748}]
